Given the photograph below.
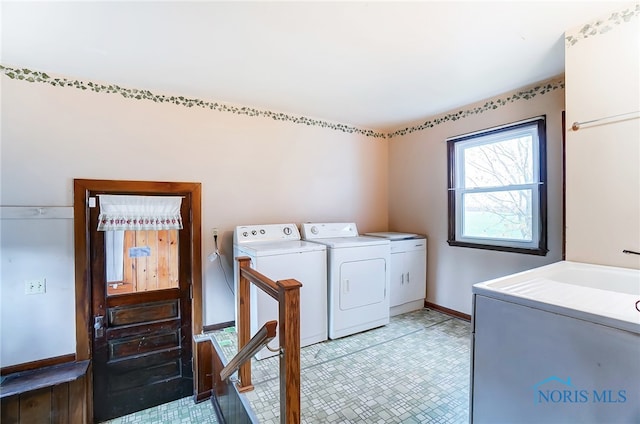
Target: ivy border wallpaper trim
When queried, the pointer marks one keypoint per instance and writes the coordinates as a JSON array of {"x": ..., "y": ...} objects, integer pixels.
[
  {"x": 595, "y": 28},
  {"x": 489, "y": 105},
  {"x": 24, "y": 74},
  {"x": 29, "y": 75},
  {"x": 599, "y": 27}
]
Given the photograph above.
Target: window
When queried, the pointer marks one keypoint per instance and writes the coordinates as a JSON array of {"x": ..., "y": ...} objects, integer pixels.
[
  {"x": 497, "y": 188},
  {"x": 141, "y": 260},
  {"x": 141, "y": 242}
]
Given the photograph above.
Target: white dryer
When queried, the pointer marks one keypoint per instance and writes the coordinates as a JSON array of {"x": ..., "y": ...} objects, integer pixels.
[
  {"x": 357, "y": 277},
  {"x": 277, "y": 251}
]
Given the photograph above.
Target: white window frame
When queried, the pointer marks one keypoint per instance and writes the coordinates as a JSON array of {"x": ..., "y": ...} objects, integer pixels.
[{"x": 457, "y": 190}]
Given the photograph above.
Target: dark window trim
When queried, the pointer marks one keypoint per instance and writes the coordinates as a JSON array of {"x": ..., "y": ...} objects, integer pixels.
[{"x": 541, "y": 250}]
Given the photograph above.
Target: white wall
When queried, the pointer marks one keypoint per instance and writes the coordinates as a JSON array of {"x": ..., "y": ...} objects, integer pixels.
[
  {"x": 253, "y": 170},
  {"x": 51, "y": 135},
  {"x": 38, "y": 324},
  {"x": 418, "y": 193},
  {"x": 603, "y": 158}
]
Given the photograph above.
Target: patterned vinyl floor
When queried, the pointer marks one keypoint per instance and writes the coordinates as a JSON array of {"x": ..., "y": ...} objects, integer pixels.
[{"x": 413, "y": 370}]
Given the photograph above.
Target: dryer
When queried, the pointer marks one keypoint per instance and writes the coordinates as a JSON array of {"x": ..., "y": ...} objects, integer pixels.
[
  {"x": 277, "y": 251},
  {"x": 357, "y": 277}
]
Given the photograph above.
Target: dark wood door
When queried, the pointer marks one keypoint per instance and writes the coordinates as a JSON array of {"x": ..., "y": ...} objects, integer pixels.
[{"x": 142, "y": 341}]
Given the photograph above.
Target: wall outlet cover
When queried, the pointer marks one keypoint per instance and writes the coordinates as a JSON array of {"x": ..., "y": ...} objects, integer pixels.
[{"x": 35, "y": 286}]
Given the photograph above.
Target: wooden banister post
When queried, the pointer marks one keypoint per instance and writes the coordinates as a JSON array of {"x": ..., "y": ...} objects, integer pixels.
[
  {"x": 243, "y": 325},
  {"x": 289, "y": 321}
]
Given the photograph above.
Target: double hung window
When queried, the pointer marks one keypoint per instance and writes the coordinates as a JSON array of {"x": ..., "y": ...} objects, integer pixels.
[{"x": 497, "y": 188}]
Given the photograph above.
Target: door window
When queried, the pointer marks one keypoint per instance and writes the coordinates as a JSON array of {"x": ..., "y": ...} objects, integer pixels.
[{"x": 141, "y": 260}]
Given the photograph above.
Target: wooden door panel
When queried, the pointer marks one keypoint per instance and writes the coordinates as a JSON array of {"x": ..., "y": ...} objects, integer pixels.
[
  {"x": 122, "y": 402},
  {"x": 147, "y": 344},
  {"x": 136, "y": 314},
  {"x": 141, "y": 361},
  {"x": 140, "y": 330},
  {"x": 153, "y": 372}
]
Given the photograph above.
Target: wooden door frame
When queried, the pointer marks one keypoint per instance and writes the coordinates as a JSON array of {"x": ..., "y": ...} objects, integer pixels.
[{"x": 81, "y": 190}]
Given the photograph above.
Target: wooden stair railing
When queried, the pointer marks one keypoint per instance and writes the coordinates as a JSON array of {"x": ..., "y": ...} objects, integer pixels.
[
  {"x": 257, "y": 342},
  {"x": 287, "y": 294}
]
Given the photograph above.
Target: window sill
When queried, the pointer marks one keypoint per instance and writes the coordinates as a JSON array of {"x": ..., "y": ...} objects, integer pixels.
[{"x": 541, "y": 251}]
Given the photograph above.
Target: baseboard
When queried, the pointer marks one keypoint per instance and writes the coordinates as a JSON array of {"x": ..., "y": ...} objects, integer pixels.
[
  {"x": 200, "y": 397},
  {"x": 406, "y": 307},
  {"x": 28, "y": 366},
  {"x": 447, "y": 311}
]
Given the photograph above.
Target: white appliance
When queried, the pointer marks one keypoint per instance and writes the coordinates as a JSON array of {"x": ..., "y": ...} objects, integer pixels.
[
  {"x": 408, "y": 285},
  {"x": 277, "y": 251},
  {"x": 357, "y": 277}
]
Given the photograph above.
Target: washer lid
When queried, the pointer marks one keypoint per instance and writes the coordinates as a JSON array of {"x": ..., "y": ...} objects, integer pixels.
[
  {"x": 358, "y": 241},
  {"x": 271, "y": 248},
  {"x": 392, "y": 235}
]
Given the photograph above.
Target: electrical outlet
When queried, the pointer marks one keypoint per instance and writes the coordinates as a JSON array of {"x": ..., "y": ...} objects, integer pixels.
[
  {"x": 215, "y": 232},
  {"x": 35, "y": 286}
]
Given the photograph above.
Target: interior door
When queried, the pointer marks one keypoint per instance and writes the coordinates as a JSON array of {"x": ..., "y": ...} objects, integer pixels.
[{"x": 142, "y": 342}]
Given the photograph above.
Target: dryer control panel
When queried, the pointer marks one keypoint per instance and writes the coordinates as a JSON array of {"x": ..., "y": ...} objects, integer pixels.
[
  {"x": 312, "y": 230},
  {"x": 266, "y": 232}
]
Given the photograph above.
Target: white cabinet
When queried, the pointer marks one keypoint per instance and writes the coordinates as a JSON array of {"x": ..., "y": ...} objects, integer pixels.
[{"x": 408, "y": 271}]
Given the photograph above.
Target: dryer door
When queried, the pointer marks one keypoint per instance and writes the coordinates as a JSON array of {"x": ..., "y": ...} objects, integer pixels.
[{"x": 362, "y": 283}]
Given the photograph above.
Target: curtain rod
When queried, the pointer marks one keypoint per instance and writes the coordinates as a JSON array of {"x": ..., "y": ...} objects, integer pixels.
[{"x": 576, "y": 125}]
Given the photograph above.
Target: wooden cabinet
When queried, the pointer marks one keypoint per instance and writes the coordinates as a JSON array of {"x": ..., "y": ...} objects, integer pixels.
[
  {"x": 408, "y": 284},
  {"x": 56, "y": 394}
]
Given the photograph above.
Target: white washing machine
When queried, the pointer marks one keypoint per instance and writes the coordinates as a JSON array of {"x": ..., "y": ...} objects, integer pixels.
[
  {"x": 357, "y": 277},
  {"x": 277, "y": 251}
]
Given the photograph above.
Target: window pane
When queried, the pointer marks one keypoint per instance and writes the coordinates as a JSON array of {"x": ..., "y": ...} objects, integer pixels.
[
  {"x": 501, "y": 163},
  {"x": 498, "y": 215},
  {"x": 141, "y": 260}
]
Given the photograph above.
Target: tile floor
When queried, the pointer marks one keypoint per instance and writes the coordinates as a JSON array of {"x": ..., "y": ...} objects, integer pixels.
[
  {"x": 182, "y": 411},
  {"x": 413, "y": 370}
]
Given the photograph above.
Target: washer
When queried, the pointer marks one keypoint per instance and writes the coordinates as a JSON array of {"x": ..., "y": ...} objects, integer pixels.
[
  {"x": 357, "y": 277},
  {"x": 277, "y": 251}
]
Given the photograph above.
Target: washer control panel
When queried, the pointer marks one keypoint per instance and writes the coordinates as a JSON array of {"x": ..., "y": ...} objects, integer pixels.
[
  {"x": 266, "y": 232},
  {"x": 312, "y": 230}
]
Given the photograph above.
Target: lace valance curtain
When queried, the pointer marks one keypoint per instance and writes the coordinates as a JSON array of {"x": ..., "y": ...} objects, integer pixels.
[{"x": 122, "y": 212}]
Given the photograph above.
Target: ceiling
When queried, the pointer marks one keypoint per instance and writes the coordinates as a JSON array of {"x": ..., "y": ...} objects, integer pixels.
[{"x": 372, "y": 64}]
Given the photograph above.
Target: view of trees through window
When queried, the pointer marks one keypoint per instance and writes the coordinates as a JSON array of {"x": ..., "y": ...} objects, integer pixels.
[
  {"x": 500, "y": 212},
  {"x": 497, "y": 193}
]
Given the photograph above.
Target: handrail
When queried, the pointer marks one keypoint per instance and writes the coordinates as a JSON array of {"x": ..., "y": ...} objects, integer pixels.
[
  {"x": 262, "y": 282},
  {"x": 257, "y": 342},
  {"x": 287, "y": 294}
]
